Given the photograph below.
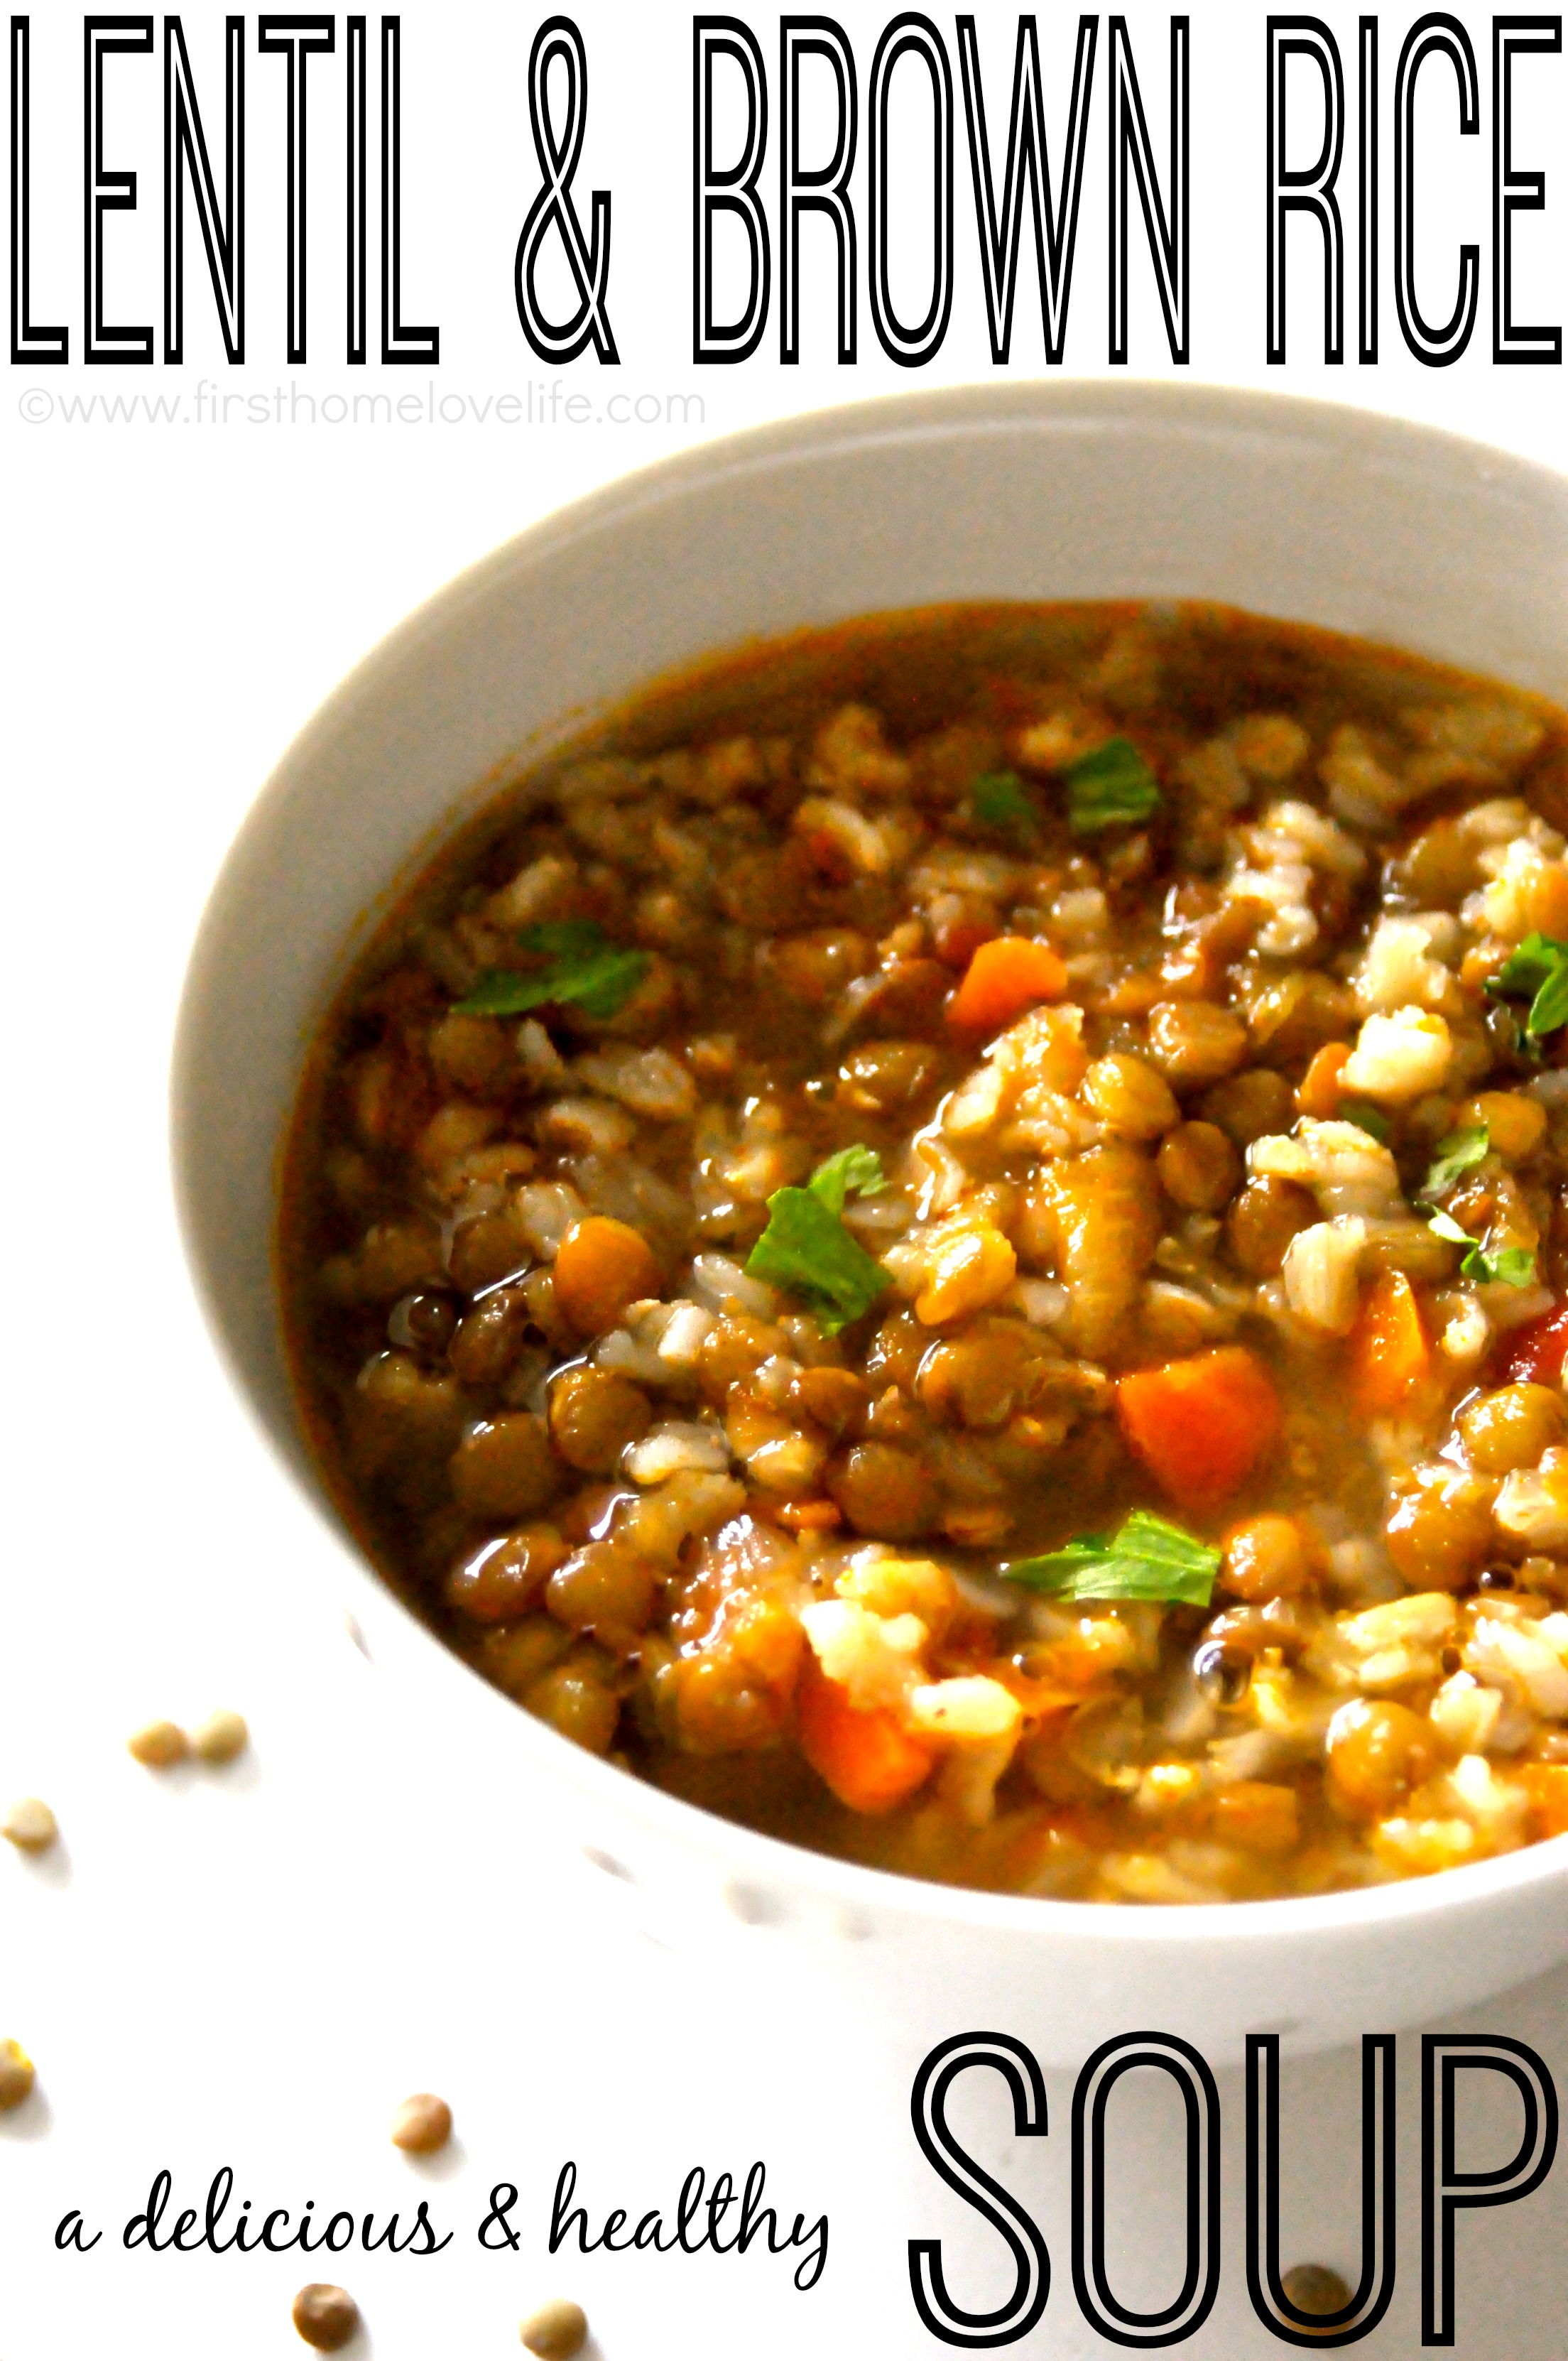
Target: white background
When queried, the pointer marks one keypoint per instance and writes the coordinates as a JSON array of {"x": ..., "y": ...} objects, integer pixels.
[{"x": 250, "y": 1968}]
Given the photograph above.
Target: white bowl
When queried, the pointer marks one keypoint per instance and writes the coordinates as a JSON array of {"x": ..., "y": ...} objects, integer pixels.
[{"x": 1056, "y": 490}]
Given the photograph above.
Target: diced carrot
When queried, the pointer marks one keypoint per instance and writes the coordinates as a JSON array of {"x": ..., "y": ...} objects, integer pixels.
[
  {"x": 601, "y": 1268},
  {"x": 869, "y": 1760},
  {"x": 1006, "y": 976},
  {"x": 1537, "y": 1350},
  {"x": 1547, "y": 1784},
  {"x": 1317, "y": 1093},
  {"x": 1390, "y": 1358},
  {"x": 1201, "y": 1425}
]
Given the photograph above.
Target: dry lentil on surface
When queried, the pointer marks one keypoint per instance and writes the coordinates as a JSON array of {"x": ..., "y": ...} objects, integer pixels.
[
  {"x": 18, "y": 2074},
  {"x": 325, "y": 2316},
  {"x": 30, "y": 1825},
  {"x": 421, "y": 2125},
  {"x": 158, "y": 1744},
  {"x": 1312, "y": 2287},
  {"x": 1217, "y": 1185},
  {"x": 555, "y": 2332},
  {"x": 222, "y": 1737}
]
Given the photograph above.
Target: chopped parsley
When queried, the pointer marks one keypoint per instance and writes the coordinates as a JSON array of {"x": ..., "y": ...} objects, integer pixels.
[
  {"x": 584, "y": 971},
  {"x": 1148, "y": 1558},
  {"x": 1535, "y": 972},
  {"x": 1514, "y": 1266},
  {"x": 1367, "y": 1119},
  {"x": 998, "y": 800},
  {"x": 859, "y": 1168},
  {"x": 1458, "y": 1154},
  {"x": 807, "y": 1248},
  {"x": 1109, "y": 787}
]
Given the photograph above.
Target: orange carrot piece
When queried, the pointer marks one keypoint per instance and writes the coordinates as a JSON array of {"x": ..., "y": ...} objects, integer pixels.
[
  {"x": 1201, "y": 1425},
  {"x": 869, "y": 1760},
  {"x": 1317, "y": 1093},
  {"x": 1006, "y": 976},
  {"x": 1390, "y": 1358},
  {"x": 1548, "y": 1786}
]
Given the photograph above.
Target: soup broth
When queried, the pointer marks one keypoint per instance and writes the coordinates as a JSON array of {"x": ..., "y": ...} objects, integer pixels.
[{"x": 950, "y": 1242}]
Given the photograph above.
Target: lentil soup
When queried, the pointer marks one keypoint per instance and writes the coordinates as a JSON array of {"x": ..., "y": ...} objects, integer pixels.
[{"x": 952, "y": 1243}]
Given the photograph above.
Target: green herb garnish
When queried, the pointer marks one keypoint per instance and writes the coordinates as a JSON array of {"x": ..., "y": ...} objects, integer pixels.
[
  {"x": 859, "y": 1168},
  {"x": 584, "y": 971},
  {"x": 998, "y": 800},
  {"x": 1109, "y": 788},
  {"x": 1367, "y": 1119},
  {"x": 1514, "y": 1266},
  {"x": 1459, "y": 1153},
  {"x": 1535, "y": 972},
  {"x": 807, "y": 1248},
  {"x": 1148, "y": 1559}
]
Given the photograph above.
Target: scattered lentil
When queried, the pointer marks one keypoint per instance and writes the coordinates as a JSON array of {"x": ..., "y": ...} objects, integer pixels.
[
  {"x": 421, "y": 2125},
  {"x": 1312, "y": 2287},
  {"x": 222, "y": 1737},
  {"x": 30, "y": 1825},
  {"x": 158, "y": 1744},
  {"x": 17, "y": 2074},
  {"x": 557, "y": 2331},
  {"x": 325, "y": 2316}
]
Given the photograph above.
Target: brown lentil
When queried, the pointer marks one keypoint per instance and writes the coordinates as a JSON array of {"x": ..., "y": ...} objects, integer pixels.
[
  {"x": 158, "y": 1744},
  {"x": 882, "y": 1491},
  {"x": 557, "y": 2331},
  {"x": 1130, "y": 1097},
  {"x": 325, "y": 2316},
  {"x": 1511, "y": 1427},
  {"x": 1441, "y": 1530},
  {"x": 1198, "y": 1167},
  {"x": 484, "y": 1345},
  {"x": 576, "y": 1699},
  {"x": 424, "y": 1322},
  {"x": 504, "y": 1466},
  {"x": 594, "y": 1415},
  {"x": 1193, "y": 1041},
  {"x": 602, "y": 1585},
  {"x": 504, "y": 1577},
  {"x": 17, "y": 2075},
  {"x": 1268, "y": 1557},
  {"x": 886, "y": 1075},
  {"x": 30, "y": 1825},
  {"x": 1249, "y": 1104},
  {"x": 1312, "y": 2287},
  {"x": 1377, "y": 1751},
  {"x": 222, "y": 1737},
  {"x": 601, "y": 1268},
  {"x": 1262, "y": 1222},
  {"x": 421, "y": 2125}
]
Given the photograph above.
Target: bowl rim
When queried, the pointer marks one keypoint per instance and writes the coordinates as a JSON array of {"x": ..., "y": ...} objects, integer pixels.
[{"x": 1199, "y": 411}]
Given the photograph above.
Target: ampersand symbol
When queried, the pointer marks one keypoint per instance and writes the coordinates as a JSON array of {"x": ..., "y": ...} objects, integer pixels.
[
  {"x": 559, "y": 40},
  {"x": 503, "y": 2197}
]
